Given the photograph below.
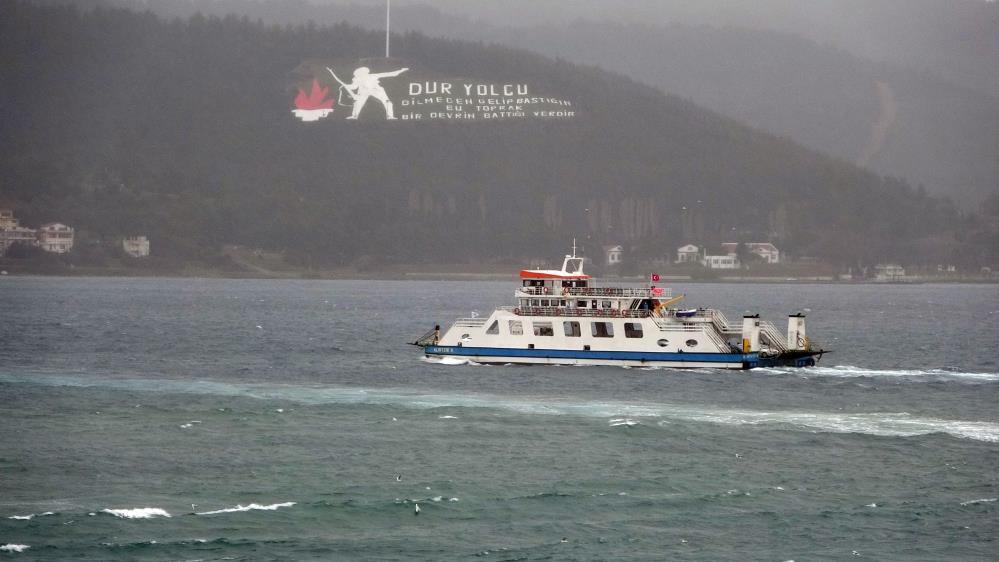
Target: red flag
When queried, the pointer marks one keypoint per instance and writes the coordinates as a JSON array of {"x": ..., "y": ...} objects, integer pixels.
[{"x": 655, "y": 277}]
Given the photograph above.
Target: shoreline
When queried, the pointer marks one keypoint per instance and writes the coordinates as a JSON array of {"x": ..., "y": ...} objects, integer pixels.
[{"x": 430, "y": 275}]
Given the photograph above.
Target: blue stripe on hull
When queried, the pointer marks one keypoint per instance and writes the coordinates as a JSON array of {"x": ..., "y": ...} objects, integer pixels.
[{"x": 748, "y": 360}]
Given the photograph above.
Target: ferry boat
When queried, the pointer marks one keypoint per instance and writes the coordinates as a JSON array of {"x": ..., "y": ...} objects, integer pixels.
[{"x": 561, "y": 318}]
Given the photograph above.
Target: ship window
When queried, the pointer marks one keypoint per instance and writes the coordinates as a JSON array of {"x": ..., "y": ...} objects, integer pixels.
[
  {"x": 605, "y": 304},
  {"x": 663, "y": 343},
  {"x": 494, "y": 328},
  {"x": 544, "y": 302},
  {"x": 602, "y": 329},
  {"x": 535, "y": 302},
  {"x": 632, "y": 330},
  {"x": 571, "y": 329},
  {"x": 691, "y": 343},
  {"x": 561, "y": 302},
  {"x": 516, "y": 328},
  {"x": 543, "y": 329},
  {"x": 580, "y": 304}
]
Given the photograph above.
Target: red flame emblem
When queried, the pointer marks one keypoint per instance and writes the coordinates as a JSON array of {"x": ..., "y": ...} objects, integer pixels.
[{"x": 316, "y": 99}]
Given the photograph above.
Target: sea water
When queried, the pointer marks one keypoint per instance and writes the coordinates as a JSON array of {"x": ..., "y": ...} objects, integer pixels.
[{"x": 191, "y": 419}]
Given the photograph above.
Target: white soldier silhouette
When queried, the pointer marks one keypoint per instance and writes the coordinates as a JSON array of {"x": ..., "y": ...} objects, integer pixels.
[{"x": 366, "y": 85}]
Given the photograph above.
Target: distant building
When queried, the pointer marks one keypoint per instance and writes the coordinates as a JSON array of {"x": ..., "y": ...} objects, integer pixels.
[
  {"x": 720, "y": 262},
  {"x": 889, "y": 272},
  {"x": 11, "y": 232},
  {"x": 26, "y": 236},
  {"x": 765, "y": 250},
  {"x": 687, "y": 254},
  {"x": 7, "y": 220},
  {"x": 613, "y": 254},
  {"x": 136, "y": 246},
  {"x": 55, "y": 237}
]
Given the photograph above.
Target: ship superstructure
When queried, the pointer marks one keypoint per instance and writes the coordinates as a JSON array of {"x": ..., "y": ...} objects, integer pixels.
[{"x": 561, "y": 318}]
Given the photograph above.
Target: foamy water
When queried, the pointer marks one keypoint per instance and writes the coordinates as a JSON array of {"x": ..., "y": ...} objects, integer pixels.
[
  {"x": 250, "y": 507},
  {"x": 983, "y": 500},
  {"x": 137, "y": 513},
  {"x": 31, "y": 516}
]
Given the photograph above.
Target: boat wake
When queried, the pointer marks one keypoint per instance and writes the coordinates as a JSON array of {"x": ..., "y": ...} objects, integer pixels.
[
  {"x": 449, "y": 361},
  {"x": 850, "y": 371},
  {"x": 878, "y": 423}
]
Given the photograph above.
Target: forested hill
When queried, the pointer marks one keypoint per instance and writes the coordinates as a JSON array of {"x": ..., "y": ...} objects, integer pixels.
[{"x": 122, "y": 123}]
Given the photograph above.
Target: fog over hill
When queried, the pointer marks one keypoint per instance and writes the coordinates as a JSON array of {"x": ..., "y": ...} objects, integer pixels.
[
  {"x": 927, "y": 126},
  {"x": 955, "y": 39}
]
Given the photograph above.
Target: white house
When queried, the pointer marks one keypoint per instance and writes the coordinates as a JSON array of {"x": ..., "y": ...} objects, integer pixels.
[
  {"x": 687, "y": 254},
  {"x": 889, "y": 272},
  {"x": 55, "y": 237},
  {"x": 720, "y": 262},
  {"x": 613, "y": 254},
  {"x": 136, "y": 246},
  {"x": 767, "y": 251}
]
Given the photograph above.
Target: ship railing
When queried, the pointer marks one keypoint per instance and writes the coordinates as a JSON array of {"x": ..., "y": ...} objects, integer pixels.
[
  {"x": 712, "y": 333},
  {"x": 580, "y": 312},
  {"x": 628, "y": 292},
  {"x": 429, "y": 338},
  {"x": 769, "y": 333},
  {"x": 721, "y": 322}
]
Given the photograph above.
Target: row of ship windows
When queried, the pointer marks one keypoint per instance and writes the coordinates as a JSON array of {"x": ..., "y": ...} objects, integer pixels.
[
  {"x": 571, "y": 329},
  {"x": 563, "y": 302}
]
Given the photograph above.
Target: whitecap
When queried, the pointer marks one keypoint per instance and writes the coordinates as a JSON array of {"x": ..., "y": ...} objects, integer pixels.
[
  {"x": 31, "y": 516},
  {"x": 453, "y": 499},
  {"x": 14, "y": 547},
  {"x": 447, "y": 417},
  {"x": 137, "y": 513},
  {"x": 983, "y": 500},
  {"x": 622, "y": 421},
  {"x": 250, "y": 507}
]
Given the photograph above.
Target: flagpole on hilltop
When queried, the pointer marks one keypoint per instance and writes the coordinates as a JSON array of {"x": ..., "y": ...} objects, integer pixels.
[{"x": 388, "y": 13}]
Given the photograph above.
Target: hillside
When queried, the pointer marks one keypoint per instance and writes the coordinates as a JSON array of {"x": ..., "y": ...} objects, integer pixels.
[{"x": 120, "y": 123}]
